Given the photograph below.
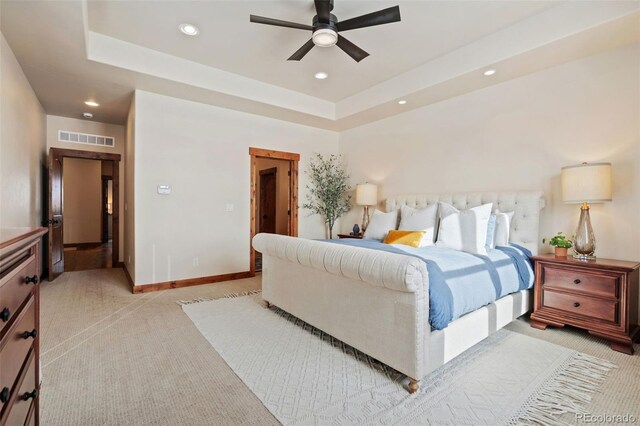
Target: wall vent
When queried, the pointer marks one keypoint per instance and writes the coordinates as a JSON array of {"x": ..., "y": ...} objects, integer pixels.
[{"x": 84, "y": 138}]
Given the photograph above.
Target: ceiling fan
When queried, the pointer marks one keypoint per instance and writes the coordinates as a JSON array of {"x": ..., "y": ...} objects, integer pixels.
[{"x": 325, "y": 28}]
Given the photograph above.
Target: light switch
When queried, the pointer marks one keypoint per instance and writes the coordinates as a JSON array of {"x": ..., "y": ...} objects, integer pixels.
[
  {"x": 164, "y": 189},
  {"x": 228, "y": 207}
]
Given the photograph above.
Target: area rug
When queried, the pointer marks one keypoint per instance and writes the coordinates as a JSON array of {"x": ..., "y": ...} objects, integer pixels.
[{"x": 305, "y": 377}]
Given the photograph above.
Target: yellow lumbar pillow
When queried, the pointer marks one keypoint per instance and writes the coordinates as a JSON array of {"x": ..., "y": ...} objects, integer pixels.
[{"x": 408, "y": 238}]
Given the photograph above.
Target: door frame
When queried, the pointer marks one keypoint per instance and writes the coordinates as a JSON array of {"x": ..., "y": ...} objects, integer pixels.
[
  {"x": 60, "y": 154},
  {"x": 292, "y": 226}
]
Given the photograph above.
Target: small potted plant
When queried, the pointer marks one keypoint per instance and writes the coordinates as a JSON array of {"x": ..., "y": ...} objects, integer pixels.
[{"x": 560, "y": 243}]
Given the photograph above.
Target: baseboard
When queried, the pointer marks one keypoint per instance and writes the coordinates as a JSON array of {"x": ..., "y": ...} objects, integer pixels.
[
  {"x": 83, "y": 245},
  {"x": 129, "y": 279},
  {"x": 189, "y": 282}
]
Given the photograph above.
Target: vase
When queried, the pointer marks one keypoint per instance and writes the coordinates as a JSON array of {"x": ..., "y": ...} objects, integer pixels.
[{"x": 561, "y": 252}]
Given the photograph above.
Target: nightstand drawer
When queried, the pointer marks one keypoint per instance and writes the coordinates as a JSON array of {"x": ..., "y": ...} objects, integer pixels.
[
  {"x": 599, "y": 285},
  {"x": 585, "y": 306}
]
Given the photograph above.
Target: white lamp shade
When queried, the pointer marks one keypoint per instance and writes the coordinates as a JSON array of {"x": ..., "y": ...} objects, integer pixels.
[
  {"x": 366, "y": 194},
  {"x": 589, "y": 183}
]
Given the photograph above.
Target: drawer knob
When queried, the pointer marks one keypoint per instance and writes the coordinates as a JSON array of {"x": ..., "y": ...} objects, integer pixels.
[
  {"x": 4, "y": 395},
  {"x": 576, "y": 304},
  {"x": 33, "y": 333},
  {"x": 5, "y": 314},
  {"x": 577, "y": 281},
  {"x": 28, "y": 395},
  {"x": 31, "y": 280}
]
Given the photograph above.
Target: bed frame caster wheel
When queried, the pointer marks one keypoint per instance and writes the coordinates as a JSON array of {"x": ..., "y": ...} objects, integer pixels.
[{"x": 413, "y": 385}]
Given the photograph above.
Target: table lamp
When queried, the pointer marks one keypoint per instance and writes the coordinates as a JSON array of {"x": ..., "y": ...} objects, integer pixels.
[
  {"x": 586, "y": 183},
  {"x": 366, "y": 195}
]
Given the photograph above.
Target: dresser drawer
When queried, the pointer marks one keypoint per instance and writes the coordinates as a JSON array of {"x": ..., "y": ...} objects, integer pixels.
[
  {"x": 24, "y": 400},
  {"x": 598, "y": 285},
  {"x": 15, "y": 290},
  {"x": 31, "y": 419},
  {"x": 585, "y": 306},
  {"x": 16, "y": 347}
]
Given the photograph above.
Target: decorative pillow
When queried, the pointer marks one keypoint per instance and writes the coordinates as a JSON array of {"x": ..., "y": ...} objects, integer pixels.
[
  {"x": 420, "y": 219},
  {"x": 380, "y": 225},
  {"x": 464, "y": 230},
  {"x": 503, "y": 226},
  {"x": 491, "y": 231},
  {"x": 408, "y": 238}
]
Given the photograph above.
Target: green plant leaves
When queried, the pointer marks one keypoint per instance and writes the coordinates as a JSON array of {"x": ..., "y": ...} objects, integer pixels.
[
  {"x": 328, "y": 187},
  {"x": 559, "y": 240}
]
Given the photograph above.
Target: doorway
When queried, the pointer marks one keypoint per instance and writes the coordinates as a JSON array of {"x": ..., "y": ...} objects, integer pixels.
[
  {"x": 83, "y": 211},
  {"x": 268, "y": 187},
  {"x": 274, "y": 196}
]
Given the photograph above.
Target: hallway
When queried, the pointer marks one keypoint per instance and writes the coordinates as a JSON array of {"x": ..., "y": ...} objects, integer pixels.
[{"x": 83, "y": 258}]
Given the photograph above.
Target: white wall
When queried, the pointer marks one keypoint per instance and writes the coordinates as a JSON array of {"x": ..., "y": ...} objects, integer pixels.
[
  {"x": 55, "y": 123},
  {"x": 129, "y": 190},
  {"x": 82, "y": 199},
  {"x": 202, "y": 151},
  {"x": 22, "y": 146},
  {"x": 516, "y": 136}
]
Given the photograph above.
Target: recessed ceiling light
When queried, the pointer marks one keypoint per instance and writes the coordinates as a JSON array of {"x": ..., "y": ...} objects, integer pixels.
[
  {"x": 402, "y": 102},
  {"x": 189, "y": 29},
  {"x": 92, "y": 103},
  {"x": 321, "y": 75},
  {"x": 489, "y": 72},
  {"x": 87, "y": 115}
]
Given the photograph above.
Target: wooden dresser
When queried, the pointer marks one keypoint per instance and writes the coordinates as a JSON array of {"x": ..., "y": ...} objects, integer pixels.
[
  {"x": 598, "y": 295},
  {"x": 19, "y": 322}
]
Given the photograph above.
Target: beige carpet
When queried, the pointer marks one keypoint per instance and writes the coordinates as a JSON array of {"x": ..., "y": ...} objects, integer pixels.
[
  {"x": 114, "y": 358},
  {"x": 306, "y": 377}
]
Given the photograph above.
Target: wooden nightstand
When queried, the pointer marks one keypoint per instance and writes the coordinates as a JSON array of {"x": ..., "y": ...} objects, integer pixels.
[
  {"x": 598, "y": 295},
  {"x": 357, "y": 237}
]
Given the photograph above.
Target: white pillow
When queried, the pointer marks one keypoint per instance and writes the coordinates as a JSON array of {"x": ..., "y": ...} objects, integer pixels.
[
  {"x": 464, "y": 230},
  {"x": 420, "y": 220},
  {"x": 380, "y": 225},
  {"x": 503, "y": 226}
]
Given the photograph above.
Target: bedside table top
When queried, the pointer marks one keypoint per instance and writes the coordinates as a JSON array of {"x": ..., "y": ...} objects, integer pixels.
[
  {"x": 595, "y": 263},
  {"x": 357, "y": 237}
]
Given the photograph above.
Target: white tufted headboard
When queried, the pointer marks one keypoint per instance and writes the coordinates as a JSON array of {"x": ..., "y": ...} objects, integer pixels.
[{"x": 526, "y": 205}]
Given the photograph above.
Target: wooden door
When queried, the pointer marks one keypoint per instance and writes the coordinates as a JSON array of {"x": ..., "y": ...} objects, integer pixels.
[
  {"x": 267, "y": 212},
  {"x": 56, "y": 248}
]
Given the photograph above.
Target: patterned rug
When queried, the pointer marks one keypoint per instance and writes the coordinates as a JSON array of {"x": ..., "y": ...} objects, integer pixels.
[{"x": 305, "y": 377}]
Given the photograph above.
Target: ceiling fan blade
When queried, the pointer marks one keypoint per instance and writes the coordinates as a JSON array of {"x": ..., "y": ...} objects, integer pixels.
[
  {"x": 351, "y": 49},
  {"x": 323, "y": 7},
  {"x": 302, "y": 51},
  {"x": 278, "y": 23},
  {"x": 384, "y": 16}
]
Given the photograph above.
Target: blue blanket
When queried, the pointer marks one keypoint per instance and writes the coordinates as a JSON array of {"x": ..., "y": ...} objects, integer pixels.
[{"x": 460, "y": 282}]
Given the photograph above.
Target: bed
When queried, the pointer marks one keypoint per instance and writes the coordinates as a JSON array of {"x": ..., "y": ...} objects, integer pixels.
[{"x": 378, "y": 301}]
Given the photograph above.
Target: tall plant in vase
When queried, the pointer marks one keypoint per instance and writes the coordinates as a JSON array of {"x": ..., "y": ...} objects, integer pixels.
[{"x": 327, "y": 189}]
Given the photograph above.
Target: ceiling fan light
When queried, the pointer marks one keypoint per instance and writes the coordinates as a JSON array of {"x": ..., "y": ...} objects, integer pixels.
[{"x": 325, "y": 37}]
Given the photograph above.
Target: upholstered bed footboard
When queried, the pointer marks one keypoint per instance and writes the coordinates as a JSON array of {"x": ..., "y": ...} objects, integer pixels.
[{"x": 375, "y": 301}]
